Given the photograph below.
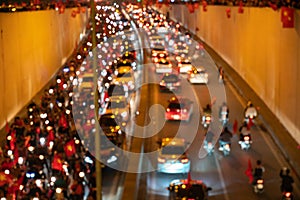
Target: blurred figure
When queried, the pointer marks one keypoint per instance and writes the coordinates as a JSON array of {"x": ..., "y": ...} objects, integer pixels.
[
  {"x": 287, "y": 180},
  {"x": 225, "y": 138},
  {"x": 258, "y": 171}
]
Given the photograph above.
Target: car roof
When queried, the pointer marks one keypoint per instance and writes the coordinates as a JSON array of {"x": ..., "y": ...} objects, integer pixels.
[{"x": 173, "y": 141}]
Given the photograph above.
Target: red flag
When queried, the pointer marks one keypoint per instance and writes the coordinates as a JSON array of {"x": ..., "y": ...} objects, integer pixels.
[
  {"x": 61, "y": 9},
  {"x": 73, "y": 14},
  {"x": 235, "y": 126},
  {"x": 7, "y": 129},
  {"x": 273, "y": 5},
  {"x": 287, "y": 17},
  {"x": 228, "y": 12},
  {"x": 241, "y": 9},
  {"x": 57, "y": 163},
  {"x": 27, "y": 139},
  {"x": 62, "y": 120},
  {"x": 204, "y": 4},
  {"x": 70, "y": 148},
  {"x": 16, "y": 156},
  {"x": 248, "y": 171},
  {"x": 189, "y": 178},
  {"x": 250, "y": 124},
  {"x": 190, "y": 7},
  {"x": 13, "y": 140}
]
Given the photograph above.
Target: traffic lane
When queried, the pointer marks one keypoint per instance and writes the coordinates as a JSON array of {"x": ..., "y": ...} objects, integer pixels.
[
  {"x": 263, "y": 148},
  {"x": 158, "y": 182}
]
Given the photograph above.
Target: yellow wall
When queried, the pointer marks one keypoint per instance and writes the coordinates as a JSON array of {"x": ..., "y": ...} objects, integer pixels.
[
  {"x": 33, "y": 45},
  {"x": 254, "y": 43}
]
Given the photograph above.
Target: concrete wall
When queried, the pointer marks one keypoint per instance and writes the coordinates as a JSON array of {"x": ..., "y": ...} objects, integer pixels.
[
  {"x": 33, "y": 45},
  {"x": 254, "y": 43}
]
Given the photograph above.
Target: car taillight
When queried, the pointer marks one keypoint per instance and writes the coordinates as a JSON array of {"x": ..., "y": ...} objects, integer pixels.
[
  {"x": 184, "y": 160},
  {"x": 287, "y": 194},
  {"x": 177, "y": 84},
  {"x": 168, "y": 109},
  {"x": 161, "y": 160},
  {"x": 260, "y": 181}
]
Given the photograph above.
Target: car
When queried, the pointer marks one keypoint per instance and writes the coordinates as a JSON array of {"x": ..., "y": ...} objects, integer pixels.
[
  {"x": 163, "y": 66},
  {"x": 172, "y": 157},
  {"x": 170, "y": 82},
  {"x": 110, "y": 124},
  {"x": 179, "y": 108},
  {"x": 119, "y": 106},
  {"x": 188, "y": 189},
  {"x": 86, "y": 82},
  {"x": 125, "y": 76},
  {"x": 155, "y": 51},
  {"x": 115, "y": 89},
  {"x": 160, "y": 56},
  {"x": 197, "y": 76},
  {"x": 184, "y": 66}
]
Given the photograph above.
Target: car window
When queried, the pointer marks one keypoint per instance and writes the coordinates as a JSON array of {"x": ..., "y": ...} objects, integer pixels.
[
  {"x": 171, "y": 78},
  {"x": 106, "y": 121},
  {"x": 172, "y": 150},
  {"x": 116, "y": 90}
]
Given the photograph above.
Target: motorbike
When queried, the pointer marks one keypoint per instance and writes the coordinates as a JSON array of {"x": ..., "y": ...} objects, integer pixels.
[
  {"x": 224, "y": 116},
  {"x": 287, "y": 196},
  {"x": 245, "y": 142},
  {"x": 225, "y": 147},
  {"x": 258, "y": 187},
  {"x": 206, "y": 120},
  {"x": 209, "y": 147}
]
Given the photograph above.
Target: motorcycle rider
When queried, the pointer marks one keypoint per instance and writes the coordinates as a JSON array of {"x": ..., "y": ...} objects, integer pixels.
[
  {"x": 221, "y": 74},
  {"x": 208, "y": 139},
  {"x": 258, "y": 171},
  {"x": 206, "y": 112},
  {"x": 224, "y": 111},
  {"x": 244, "y": 131},
  {"x": 287, "y": 180},
  {"x": 250, "y": 111},
  {"x": 225, "y": 138}
]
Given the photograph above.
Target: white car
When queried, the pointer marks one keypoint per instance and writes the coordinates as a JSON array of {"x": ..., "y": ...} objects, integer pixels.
[
  {"x": 172, "y": 157},
  {"x": 163, "y": 66},
  {"x": 197, "y": 76},
  {"x": 185, "y": 66}
]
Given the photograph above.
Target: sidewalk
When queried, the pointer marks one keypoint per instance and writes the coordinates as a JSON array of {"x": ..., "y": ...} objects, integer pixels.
[{"x": 278, "y": 132}]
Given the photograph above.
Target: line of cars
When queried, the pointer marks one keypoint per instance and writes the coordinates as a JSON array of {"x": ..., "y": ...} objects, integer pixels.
[
  {"x": 117, "y": 65},
  {"x": 172, "y": 61}
]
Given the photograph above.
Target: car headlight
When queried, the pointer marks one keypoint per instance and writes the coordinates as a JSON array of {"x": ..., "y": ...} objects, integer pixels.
[{"x": 124, "y": 114}]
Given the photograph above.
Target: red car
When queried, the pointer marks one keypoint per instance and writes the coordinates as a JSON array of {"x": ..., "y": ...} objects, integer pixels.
[{"x": 179, "y": 108}]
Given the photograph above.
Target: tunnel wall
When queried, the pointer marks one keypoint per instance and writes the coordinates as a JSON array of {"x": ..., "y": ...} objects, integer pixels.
[
  {"x": 256, "y": 46},
  {"x": 33, "y": 45}
]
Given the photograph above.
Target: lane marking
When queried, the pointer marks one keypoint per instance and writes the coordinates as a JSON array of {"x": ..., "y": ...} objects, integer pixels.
[{"x": 221, "y": 177}]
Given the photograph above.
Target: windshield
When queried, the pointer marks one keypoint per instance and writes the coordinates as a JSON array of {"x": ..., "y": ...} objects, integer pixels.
[
  {"x": 173, "y": 150},
  {"x": 106, "y": 121},
  {"x": 116, "y": 104},
  {"x": 116, "y": 90},
  {"x": 171, "y": 79}
]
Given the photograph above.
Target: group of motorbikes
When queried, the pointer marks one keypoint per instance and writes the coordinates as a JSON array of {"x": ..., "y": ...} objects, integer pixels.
[{"x": 245, "y": 141}]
